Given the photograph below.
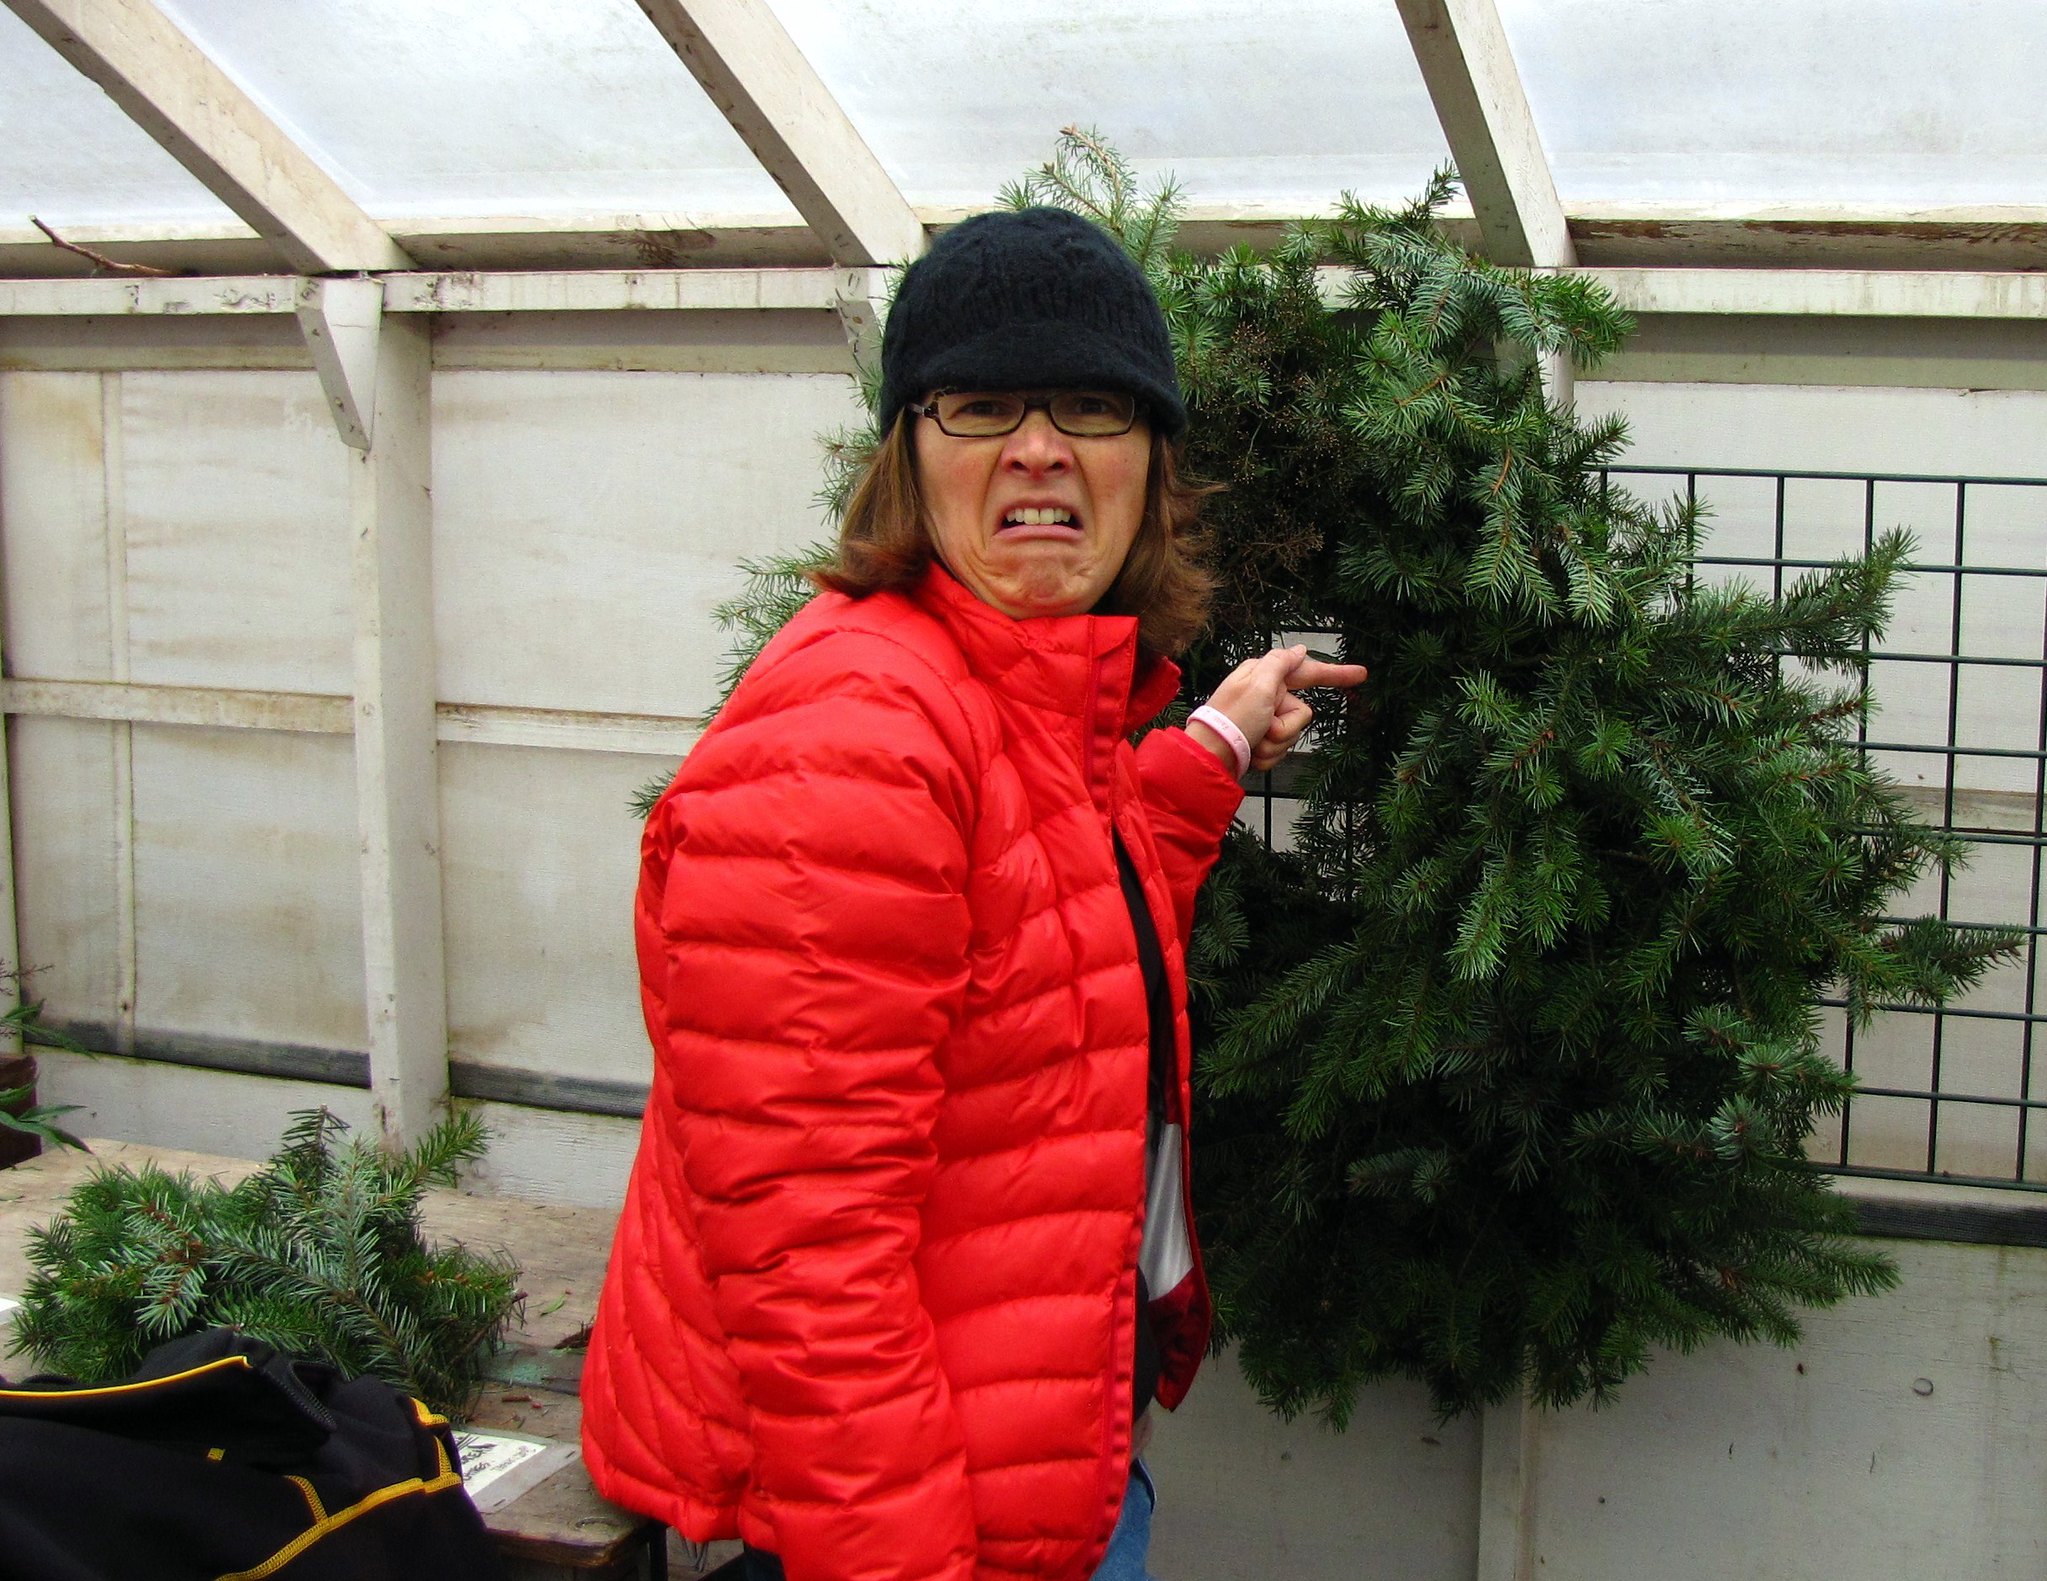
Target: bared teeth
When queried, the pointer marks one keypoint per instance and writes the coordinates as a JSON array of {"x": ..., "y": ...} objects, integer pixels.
[{"x": 1038, "y": 516}]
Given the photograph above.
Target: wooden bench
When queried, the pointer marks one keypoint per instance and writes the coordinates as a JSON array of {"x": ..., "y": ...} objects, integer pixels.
[{"x": 559, "y": 1529}]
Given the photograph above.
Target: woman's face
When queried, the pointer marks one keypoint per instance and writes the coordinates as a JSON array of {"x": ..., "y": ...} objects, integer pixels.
[{"x": 1035, "y": 522}]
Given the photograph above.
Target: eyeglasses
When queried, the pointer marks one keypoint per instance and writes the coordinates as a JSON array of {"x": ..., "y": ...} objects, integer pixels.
[{"x": 989, "y": 414}]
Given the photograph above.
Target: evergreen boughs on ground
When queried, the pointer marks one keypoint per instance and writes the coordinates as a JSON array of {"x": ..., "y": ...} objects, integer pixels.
[
  {"x": 1505, "y": 1063},
  {"x": 318, "y": 1253}
]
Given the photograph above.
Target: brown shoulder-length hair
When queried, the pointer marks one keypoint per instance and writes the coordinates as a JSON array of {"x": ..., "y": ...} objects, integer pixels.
[{"x": 885, "y": 542}]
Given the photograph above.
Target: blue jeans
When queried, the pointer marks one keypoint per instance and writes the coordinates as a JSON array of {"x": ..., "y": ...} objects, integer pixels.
[
  {"x": 1131, "y": 1540},
  {"x": 1124, "y": 1561}
]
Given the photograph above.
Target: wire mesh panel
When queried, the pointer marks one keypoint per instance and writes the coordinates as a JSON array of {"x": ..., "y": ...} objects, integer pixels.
[{"x": 1958, "y": 717}]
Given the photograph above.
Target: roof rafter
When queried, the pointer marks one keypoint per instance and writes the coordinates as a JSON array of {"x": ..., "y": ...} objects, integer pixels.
[
  {"x": 1608, "y": 236},
  {"x": 166, "y": 84},
  {"x": 780, "y": 107},
  {"x": 1462, "y": 50}
]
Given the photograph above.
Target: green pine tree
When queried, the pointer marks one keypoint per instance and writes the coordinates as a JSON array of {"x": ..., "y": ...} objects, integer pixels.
[
  {"x": 1505, "y": 1064},
  {"x": 319, "y": 1253}
]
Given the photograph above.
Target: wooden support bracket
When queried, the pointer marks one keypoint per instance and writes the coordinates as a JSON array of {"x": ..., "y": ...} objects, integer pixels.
[
  {"x": 862, "y": 303},
  {"x": 340, "y": 320}
]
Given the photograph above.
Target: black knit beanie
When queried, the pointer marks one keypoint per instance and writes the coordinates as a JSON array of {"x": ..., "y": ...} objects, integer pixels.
[{"x": 1028, "y": 299}]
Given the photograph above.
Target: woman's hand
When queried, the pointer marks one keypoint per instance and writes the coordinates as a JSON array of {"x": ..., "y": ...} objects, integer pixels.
[{"x": 1258, "y": 696}]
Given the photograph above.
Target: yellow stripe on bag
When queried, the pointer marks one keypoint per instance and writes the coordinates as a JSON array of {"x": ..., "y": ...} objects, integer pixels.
[
  {"x": 123, "y": 1388},
  {"x": 312, "y": 1497},
  {"x": 426, "y": 1418},
  {"x": 312, "y": 1534},
  {"x": 323, "y": 1523}
]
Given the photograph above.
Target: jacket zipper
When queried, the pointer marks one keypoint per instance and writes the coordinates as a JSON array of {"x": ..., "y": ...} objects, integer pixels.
[{"x": 1087, "y": 754}]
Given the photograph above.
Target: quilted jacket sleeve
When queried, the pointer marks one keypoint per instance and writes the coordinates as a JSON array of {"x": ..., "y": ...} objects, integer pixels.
[
  {"x": 1190, "y": 799},
  {"x": 815, "y": 926}
]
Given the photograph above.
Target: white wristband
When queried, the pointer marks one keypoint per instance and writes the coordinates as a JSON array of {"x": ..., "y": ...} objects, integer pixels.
[{"x": 1226, "y": 727}]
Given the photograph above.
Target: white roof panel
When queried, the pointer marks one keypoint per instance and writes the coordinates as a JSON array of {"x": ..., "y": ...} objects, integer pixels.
[
  {"x": 576, "y": 109},
  {"x": 1906, "y": 103},
  {"x": 1286, "y": 102},
  {"x": 70, "y": 156},
  {"x": 486, "y": 107},
  {"x": 546, "y": 107}
]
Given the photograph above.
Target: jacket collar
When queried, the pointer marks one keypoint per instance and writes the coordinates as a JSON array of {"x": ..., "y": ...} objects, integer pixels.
[{"x": 1087, "y": 667}]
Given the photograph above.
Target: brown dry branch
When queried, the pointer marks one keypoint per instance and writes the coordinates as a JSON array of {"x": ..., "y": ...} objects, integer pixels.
[{"x": 101, "y": 260}]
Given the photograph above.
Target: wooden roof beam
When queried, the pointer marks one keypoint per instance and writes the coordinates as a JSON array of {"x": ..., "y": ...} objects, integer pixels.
[
  {"x": 1986, "y": 238},
  {"x": 1462, "y": 50},
  {"x": 782, "y": 110},
  {"x": 167, "y": 86}
]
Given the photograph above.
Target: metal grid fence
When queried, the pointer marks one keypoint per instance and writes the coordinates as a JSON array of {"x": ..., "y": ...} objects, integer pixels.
[
  {"x": 1959, "y": 719},
  {"x": 1959, "y": 682}
]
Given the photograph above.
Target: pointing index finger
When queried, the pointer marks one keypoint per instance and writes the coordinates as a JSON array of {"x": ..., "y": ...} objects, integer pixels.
[{"x": 1321, "y": 672}]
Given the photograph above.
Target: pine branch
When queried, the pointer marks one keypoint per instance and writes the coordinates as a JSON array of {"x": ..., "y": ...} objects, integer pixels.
[{"x": 319, "y": 1252}]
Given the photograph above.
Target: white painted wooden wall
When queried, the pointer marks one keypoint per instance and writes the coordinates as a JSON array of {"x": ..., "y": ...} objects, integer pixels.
[{"x": 188, "y": 527}]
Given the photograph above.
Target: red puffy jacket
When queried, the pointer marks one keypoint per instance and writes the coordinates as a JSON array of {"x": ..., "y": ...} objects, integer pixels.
[{"x": 872, "y": 1300}]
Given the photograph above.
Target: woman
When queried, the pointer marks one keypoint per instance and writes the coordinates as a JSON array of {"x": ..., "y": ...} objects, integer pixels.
[{"x": 906, "y": 1251}]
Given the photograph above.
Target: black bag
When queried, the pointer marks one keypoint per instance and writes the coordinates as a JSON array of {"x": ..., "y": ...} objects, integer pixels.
[{"x": 223, "y": 1460}]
